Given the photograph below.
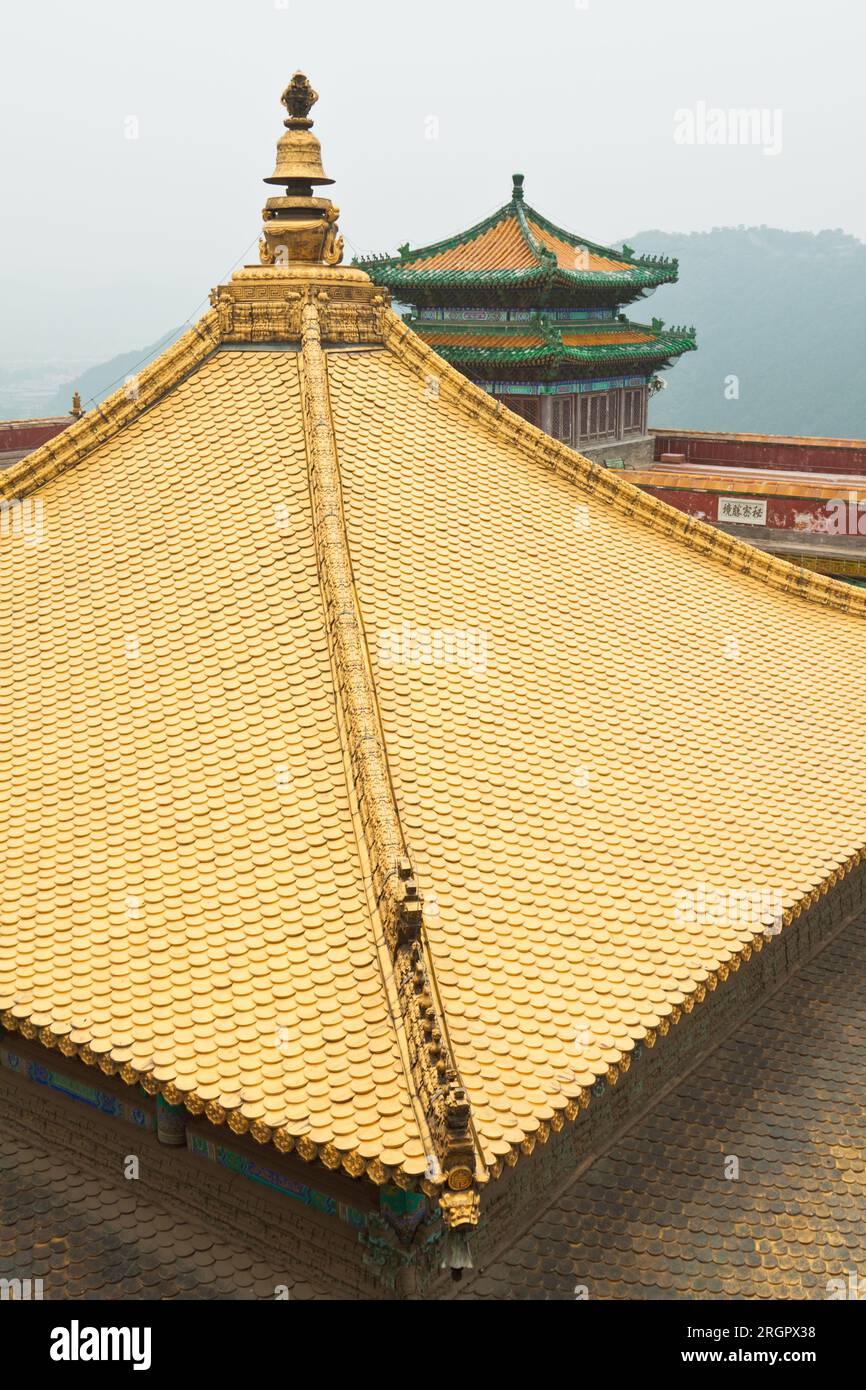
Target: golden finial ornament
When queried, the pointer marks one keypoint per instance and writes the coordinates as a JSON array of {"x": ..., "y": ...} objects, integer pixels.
[
  {"x": 299, "y": 154},
  {"x": 300, "y": 253},
  {"x": 299, "y": 228},
  {"x": 299, "y": 97}
]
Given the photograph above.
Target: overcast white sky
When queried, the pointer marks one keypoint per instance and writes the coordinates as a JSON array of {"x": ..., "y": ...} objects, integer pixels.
[{"x": 108, "y": 242}]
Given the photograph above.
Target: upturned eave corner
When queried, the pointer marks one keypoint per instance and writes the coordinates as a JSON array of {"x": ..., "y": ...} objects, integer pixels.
[{"x": 633, "y": 275}]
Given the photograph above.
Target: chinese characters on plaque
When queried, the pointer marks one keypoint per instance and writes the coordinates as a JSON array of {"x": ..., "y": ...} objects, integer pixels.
[{"x": 743, "y": 509}]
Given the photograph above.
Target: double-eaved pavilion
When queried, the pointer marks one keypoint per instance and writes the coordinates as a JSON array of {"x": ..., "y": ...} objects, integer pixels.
[
  {"x": 396, "y": 804},
  {"x": 531, "y": 314}
]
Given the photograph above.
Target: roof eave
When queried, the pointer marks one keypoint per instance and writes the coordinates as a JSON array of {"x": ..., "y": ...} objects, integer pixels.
[{"x": 658, "y": 353}]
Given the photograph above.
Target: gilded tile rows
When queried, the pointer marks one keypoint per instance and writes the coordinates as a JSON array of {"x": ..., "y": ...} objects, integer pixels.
[
  {"x": 626, "y": 721},
  {"x": 667, "y": 1213},
  {"x": 182, "y": 898}
]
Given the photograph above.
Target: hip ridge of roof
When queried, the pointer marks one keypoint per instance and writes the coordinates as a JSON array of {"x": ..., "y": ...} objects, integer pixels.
[{"x": 459, "y": 1168}]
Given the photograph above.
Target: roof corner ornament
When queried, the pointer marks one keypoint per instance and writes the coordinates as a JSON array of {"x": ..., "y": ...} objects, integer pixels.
[
  {"x": 298, "y": 227},
  {"x": 517, "y": 187},
  {"x": 460, "y": 1218},
  {"x": 446, "y": 1103}
]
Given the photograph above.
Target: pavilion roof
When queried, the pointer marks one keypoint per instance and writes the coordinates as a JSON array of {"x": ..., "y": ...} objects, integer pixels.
[
  {"x": 517, "y": 248},
  {"x": 554, "y": 346}
]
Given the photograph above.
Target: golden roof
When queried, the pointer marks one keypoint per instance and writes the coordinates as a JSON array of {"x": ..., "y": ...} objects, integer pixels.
[
  {"x": 653, "y": 1218},
  {"x": 504, "y": 246},
  {"x": 361, "y": 741},
  {"x": 511, "y": 239},
  {"x": 501, "y": 247}
]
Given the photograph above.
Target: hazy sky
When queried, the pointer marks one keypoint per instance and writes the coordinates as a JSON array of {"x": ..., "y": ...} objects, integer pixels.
[{"x": 425, "y": 110}]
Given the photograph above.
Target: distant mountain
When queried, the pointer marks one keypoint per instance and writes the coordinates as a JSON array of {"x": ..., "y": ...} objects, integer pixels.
[
  {"x": 33, "y": 387},
  {"x": 99, "y": 381},
  {"x": 783, "y": 312}
]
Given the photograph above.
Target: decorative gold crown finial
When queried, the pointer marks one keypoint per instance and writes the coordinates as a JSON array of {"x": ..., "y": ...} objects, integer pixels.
[
  {"x": 299, "y": 276},
  {"x": 298, "y": 226},
  {"x": 299, "y": 98},
  {"x": 299, "y": 156}
]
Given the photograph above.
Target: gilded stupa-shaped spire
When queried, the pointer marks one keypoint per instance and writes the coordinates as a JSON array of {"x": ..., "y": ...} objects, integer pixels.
[
  {"x": 298, "y": 227},
  {"x": 300, "y": 252}
]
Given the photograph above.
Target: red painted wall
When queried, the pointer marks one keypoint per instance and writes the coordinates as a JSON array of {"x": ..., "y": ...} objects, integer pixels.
[
  {"x": 802, "y": 457},
  {"x": 15, "y": 434},
  {"x": 783, "y": 513}
]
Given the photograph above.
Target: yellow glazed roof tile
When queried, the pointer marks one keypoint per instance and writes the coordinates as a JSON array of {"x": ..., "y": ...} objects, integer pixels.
[
  {"x": 181, "y": 885},
  {"x": 651, "y": 1218},
  {"x": 308, "y": 623},
  {"x": 614, "y": 764},
  {"x": 610, "y": 720},
  {"x": 502, "y": 247}
]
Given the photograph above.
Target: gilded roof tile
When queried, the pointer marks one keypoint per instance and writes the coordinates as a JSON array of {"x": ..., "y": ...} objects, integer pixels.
[
  {"x": 304, "y": 629},
  {"x": 181, "y": 882},
  {"x": 601, "y": 737},
  {"x": 664, "y": 1214}
]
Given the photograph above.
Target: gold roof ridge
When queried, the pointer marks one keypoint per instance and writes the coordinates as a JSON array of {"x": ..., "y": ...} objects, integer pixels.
[
  {"x": 435, "y": 1076},
  {"x": 125, "y": 405},
  {"x": 612, "y": 486},
  {"x": 185, "y": 356},
  {"x": 274, "y": 315}
]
